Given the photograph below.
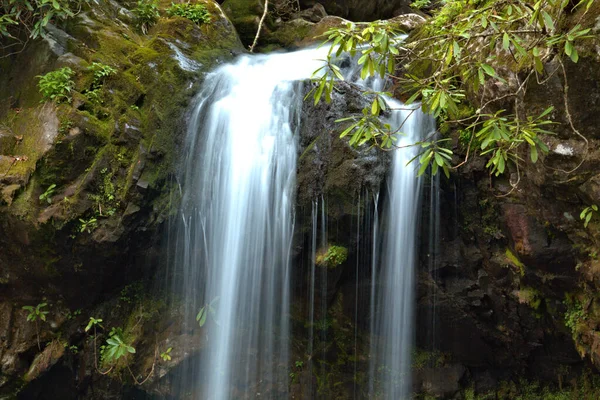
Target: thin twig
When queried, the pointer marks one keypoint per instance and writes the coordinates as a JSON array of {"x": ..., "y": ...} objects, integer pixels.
[{"x": 260, "y": 24}]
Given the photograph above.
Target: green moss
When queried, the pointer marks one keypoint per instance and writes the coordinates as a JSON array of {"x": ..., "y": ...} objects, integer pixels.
[
  {"x": 426, "y": 358},
  {"x": 289, "y": 34},
  {"x": 514, "y": 261},
  {"x": 532, "y": 298},
  {"x": 331, "y": 257}
]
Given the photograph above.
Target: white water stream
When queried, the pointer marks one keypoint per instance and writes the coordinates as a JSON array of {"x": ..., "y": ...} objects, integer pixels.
[{"x": 234, "y": 233}]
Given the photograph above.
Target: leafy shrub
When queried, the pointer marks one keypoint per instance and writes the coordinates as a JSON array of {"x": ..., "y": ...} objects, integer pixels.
[
  {"x": 57, "y": 85},
  {"x": 194, "y": 12},
  {"x": 101, "y": 72},
  {"x": 116, "y": 346},
  {"x": 32, "y": 16},
  {"x": 36, "y": 312},
  {"x": 47, "y": 195},
  {"x": 147, "y": 14}
]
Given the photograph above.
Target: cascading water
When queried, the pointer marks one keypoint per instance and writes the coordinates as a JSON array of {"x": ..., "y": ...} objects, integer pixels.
[
  {"x": 232, "y": 242},
  {"x": 234, "y": 234},
  {"x": 394, "y": 271}
]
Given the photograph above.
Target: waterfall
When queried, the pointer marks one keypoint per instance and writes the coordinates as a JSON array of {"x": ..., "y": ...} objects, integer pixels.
[
  {"x": 232, "y": 239},
  {"x": 234, "y": 232},
  {"x": 393, "y": 298}
]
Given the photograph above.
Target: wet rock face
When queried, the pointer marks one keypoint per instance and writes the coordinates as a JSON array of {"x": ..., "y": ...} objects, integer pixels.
[
  {"x": 327, "y": 165},
  {"x": 85, "y": 186},
  {"x": 362, "y": 10}
]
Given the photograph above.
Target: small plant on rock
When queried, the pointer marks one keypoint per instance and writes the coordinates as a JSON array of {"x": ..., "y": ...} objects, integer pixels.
[
  {"x": 47, "y": 195},
  {"x": 115, "y": 347},
  {"x": 57, "y": 85},
  {"x": 147, "y": 14},
  {"x": 196, "y": 13},
  {"x": 36, "y": 313},
  {"x": 88, "y": 225},
  {"x": 166, "y": 356},
  {"x": 587, "y": 214},
  {"x": 101, "y": 72},
  {"x": 332, "y": 256}
]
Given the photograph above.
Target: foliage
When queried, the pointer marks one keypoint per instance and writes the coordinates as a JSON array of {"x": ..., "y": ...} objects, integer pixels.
[
  {"x": 574, "y": 314},
  {"x": 57, "y": 85},
  {"x": 105, "y": 196},
  {"x": 466, "y": 46},
  {"x": 512, "y": 259},
  {"x": 31, "y": 16},
  {"x": 298, "y": 367},
  {"x": 147, "y": 14},
  {"x": 165, "y": 355},
  {"x": 196, "y": 13},
  {"x": 101, "y": 72},
  {"x": 47, "y": 195},
  {"x": 116, "y": 346},
  {"x": 87, "y": 224},
  {"x": 36, "y": 312},
  {"x": 93, "y": 323},
  {"x": 587, "y": 214},
  {"x": 205, "y": 310},
  {"x": 419, "y": 4},
  {"x": 332, "y": 257}
]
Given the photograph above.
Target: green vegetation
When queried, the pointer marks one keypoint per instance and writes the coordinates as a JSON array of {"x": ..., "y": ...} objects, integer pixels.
[
  {"x": 419, "y": 4},
  {"x": 57, "y": 85},
  {"x": 574, "y": 315},
  {"x": 166, "y": 355},
  {"x": 47, "y": 195},
  {"x": 87, "y": 224},
  {"x": 101, "y": 72},
  {"x": 587, "y": 214},
  {"x": 31, "y": 16},
  {"x": 93, "y": 323},
  {"x": 332, "y": 256},
  {"x": 514, "y": 260},
  {"x": 205, "y": 311},
  {"x": 147, "y": 14},
  {"x": 36, "y": 313},
  {"x": 116, "y": 347},
  {"x": 587, "y": 387},
  {"x": 467, "y": 45},
  {"x": 423, "y": 358},
  {"x": 196, "y": 13}
]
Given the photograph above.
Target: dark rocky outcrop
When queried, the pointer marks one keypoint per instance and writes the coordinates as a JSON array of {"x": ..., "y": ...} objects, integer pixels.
[
  {"x": 360, "y": 10},
  {"x": 85, "y": 186}
]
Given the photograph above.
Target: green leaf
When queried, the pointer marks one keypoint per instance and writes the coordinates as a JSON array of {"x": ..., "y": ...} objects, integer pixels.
[
  {"x": 375, "y": 107},
  {"x": 505, "y": 41},
  {"x": 548, "y": 20},
  {"x": 449, "y": 55},
  {"x": 446, "y": 171},
  {"x": 488, "y": 70},
  {"x": 534, "y": 154},
  {"x": 574, "y": 56},
  {"x": 201, "y": 317},
  {"x": 568, "y": 48}
]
